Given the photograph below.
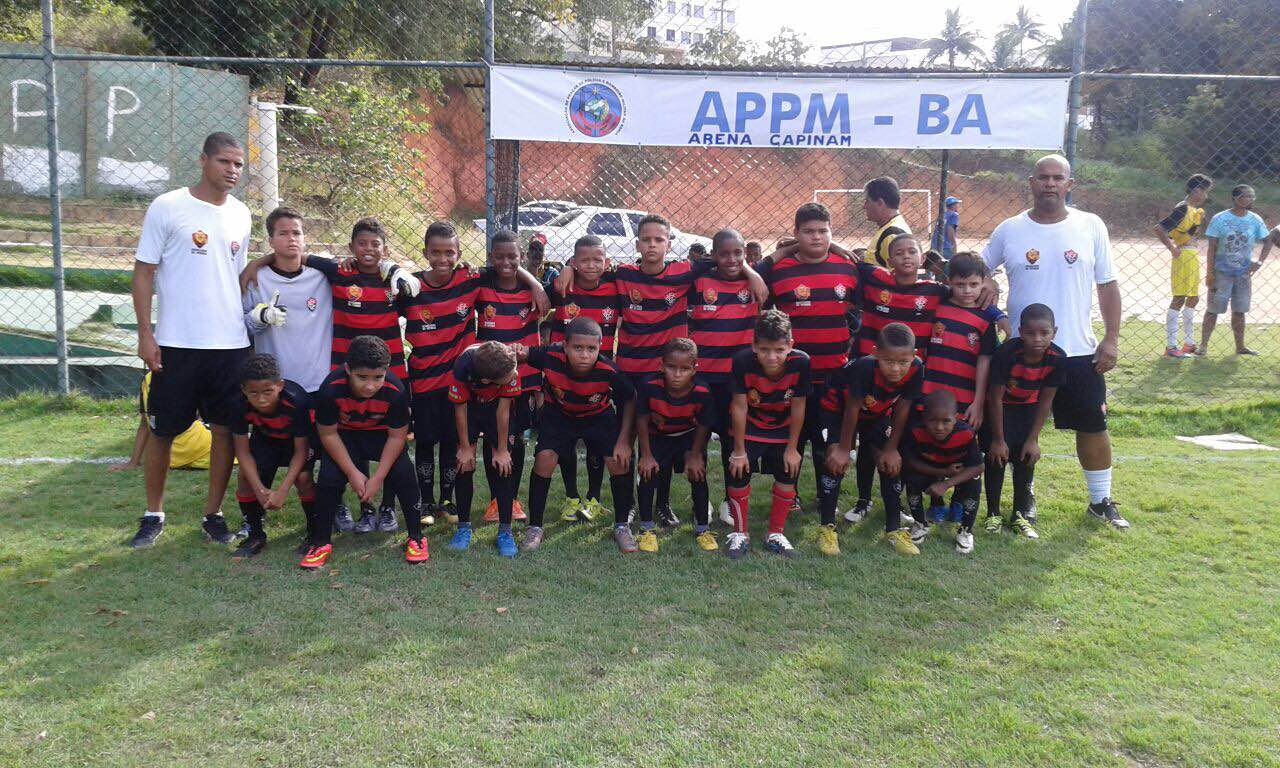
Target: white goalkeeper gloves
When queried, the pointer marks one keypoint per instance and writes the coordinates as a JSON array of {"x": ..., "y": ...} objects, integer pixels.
[
  {"x": 400, "y": 279},
  {"x": 271, "y": 314}
]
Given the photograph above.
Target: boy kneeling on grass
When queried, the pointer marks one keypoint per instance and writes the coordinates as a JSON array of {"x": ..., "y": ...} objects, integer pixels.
[
  {"x": 941, "y": 453},
  {"x": 484, "y": 390},
  {"x": 271, "y": 429},
  {"x": 362, "y": 415}
]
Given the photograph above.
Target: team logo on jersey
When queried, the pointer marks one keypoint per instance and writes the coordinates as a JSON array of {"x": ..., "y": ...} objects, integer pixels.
[
  {"x": 391, "y": 295},
  {"x": 453, "y": 391},
  {"x": 744, "y": 295},
  {"x": 709, "y": 296},
  {"x": 885, "y": 297},
  {"x": 973, "y": 340},
  {"x": 938, "y": 331},
  {"x": 921, "y": 302},
  {"x": 572, "y": 310},
  {"x": 1033, "y": 256},
  {"x": 490, "y": 311},
  {"x": 235, "y": 247},
  {"x": 524, "y": 312},
  {"x": 636, "y": 298},
  {"x": 802, "y": 292},
  {"x": 595, "y": 398},
  {"x": 312, "y": 303},
  {"x": 868, "y": 402},
  {"x": 840, "y": 292},
  {"x": 788, "y": 394},
  {"x": 463, "y": 309},
  {"x": 199, "y": 238},
  {"x": 607, "y": 315},
  {"x": 427, "y": 316},
  {"x": 1070, "y": 256},
  {"x": 670, "y": 298},
  {"x": 595, "y": 108},
  {"x": 354, "y": 293},
  {"x": 753, "y": 396}
]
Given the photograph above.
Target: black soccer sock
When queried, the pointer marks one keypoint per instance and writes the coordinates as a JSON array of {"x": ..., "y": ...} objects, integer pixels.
[
  {"x": 828, "y": 495},
  {"x": 401, "y": 482},
  {"x": 309, "y": 511},
  {"x": 645, "y": 502},
  {"x": 916, "y": 505},
  {"x": 1023, "y": 475},
  {"x": 509, "y": 488},
  {"x": 967, "y": 495},
  {"x": 865, "y": 466},
  {"x": 464, "y": 489},
  {"x": 993, "y": 480},
  {"x": 448, "y": 470},
  {"x": 891, "y": 495},
  {"x": 327, "y": 500},
  {"x": 569, "y": 474},
  {"x": 623, "y": 496},
  {"x": 253, "y": 514},
  {"x": 538, "y": 487},
  {"x": 701, "y": 511},
  {"x": 595, "y": 476},
  {"x": 424, "y": 458},
  {"x": 664, "y": 488}
]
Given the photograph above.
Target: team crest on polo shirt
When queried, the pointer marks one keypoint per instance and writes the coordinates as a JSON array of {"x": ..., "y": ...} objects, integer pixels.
[
  {"x": 572, "y": 310},
  {"x": 607, "y": 314},
  {"x": 709, "y": 296},
  {"x": 312, "y": 303},
  {"x": 524, "y": 312},
  {"x": 595, "y": 398},
  {"x": 354, "y": 293},
  {"x": 744, "y": 295},
  {"x": 462, "y": 310},
  {"x": 670, "y": 298},
  {"x": 199, "y": 238},
  {"x": 840, "y": 292},
  {"x": 973, "y": 340},
  {"x": 1070, "y": 256},
  {"x": 1033, "y": 256},
  {"x": 921, "y": 302},
  {"x": 802, "y": 292},
  {"x": 753, "y": 396},
  {"x": 235, "y": 247}
]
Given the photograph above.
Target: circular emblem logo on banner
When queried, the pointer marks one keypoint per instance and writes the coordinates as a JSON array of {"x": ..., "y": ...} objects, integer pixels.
[{"x": 595, "y": 108}]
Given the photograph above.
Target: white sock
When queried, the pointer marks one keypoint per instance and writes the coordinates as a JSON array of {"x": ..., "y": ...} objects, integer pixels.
[
  {"x": 1171, "y": 328},
  {"x": 1098, "y": 482},
  {"x": 1188, "y": 320},
  {"x": 159, "y": 515}
]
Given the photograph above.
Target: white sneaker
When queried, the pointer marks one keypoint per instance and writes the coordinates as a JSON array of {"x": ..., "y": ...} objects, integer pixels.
[
  {"x": 779, "y": 545},
  {"x": 858, "y": 513},
  {"x": 918, "y": 532},
  {"x": 726, "y": 514},
  {"x": 964, "y": 542},
  {"x": 906, "y": 518}
]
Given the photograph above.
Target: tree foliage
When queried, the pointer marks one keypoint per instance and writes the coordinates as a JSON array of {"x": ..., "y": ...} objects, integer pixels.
[
  {"x": 957, "y": 40},
  {"x": 786, "y": 48}
]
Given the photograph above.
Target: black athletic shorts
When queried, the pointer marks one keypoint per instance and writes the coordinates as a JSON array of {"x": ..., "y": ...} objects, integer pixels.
[
  {"x": 203, "y": 382},
  {"x": 482, "y": 419},
  {"x": 560, "y": 433},
  {"x": 872, "y": 433},
  {"x": 363, "y": 446},
  {"x": 1017, "y": 427},
  {"x": 1081, "y": 401},
  {"x": 433, "y": 420},
  {"x": 721, "y": 398},
  {"x": 270, "y": 456},
  {"x": 669, "y": 450},
  {"x": 766, "y": 459}
]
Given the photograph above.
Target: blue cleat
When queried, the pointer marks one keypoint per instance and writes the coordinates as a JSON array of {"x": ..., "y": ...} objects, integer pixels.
[
  {"x": 937, "y": 514},
  {"x": 956, "y": 513},
  {"x": 461, "y": 540},
  {"x": 506, "y": 543}
]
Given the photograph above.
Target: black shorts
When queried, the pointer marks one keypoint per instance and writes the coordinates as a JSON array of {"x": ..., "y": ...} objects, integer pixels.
[
  {"x": 669, "y": 450},
  {"x": 433, "y": 420},
  {"x": 363, "y": 446},
  {"x": 560, "y": 433},
  {"x": 1081, "y": 401},
  {"x": 722, "y": 398},
  {"x": 270, "y": 456},
  {"x": 766, "y": 459},
  {"x": 203, "y": 382},
  {"x": 482, "y": 419},
  {"x": 1017, "y": 427}
]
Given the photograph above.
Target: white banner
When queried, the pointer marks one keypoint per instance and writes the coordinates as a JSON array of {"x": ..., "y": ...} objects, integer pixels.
[{"x": 677, "y": 109}]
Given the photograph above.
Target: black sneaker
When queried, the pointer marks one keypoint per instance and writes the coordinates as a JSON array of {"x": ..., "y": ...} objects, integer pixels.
[
  {"x": 667, "y": 517},
  {"x": 1106, "y": 511},
  {"x": 215, "y": 527},
  {"x": 244, "y": 531},
  {"x": 387, "y": 519},
  {"x": 149, "y": 529},
  {"x": 368, "y": 519},
  {"x": 251, "y": 546},
  {"x": 342, "y": 522}
]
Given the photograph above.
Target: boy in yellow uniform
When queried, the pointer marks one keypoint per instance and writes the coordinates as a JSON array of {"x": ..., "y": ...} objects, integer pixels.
[
  {"x": 1177, "y": 232},
  {"x": 190, "y": 449}
]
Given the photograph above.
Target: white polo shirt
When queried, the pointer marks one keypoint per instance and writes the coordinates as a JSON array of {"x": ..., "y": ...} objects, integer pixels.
[
  {"x": 1058, "y": 265},
  {"x": 200, "y": 249}
]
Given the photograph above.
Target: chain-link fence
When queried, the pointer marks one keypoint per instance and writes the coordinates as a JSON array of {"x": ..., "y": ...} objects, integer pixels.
[{"x": 379, "y": 109}]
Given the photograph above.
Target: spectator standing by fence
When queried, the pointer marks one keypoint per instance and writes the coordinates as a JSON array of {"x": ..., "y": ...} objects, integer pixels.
[{"x": 1230, "y": 266}]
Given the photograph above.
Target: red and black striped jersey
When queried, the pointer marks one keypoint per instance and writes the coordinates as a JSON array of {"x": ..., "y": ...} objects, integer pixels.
[
  {"x": 768, "y": 399},
  {"x": 670, "y": 415},
  {"x": 961, "y": 335},
  {"x": 337, "y": 406},
  {"x": 864, "y": 382},
  {"x": 291, "y": 417},
  {"x": 816, "y": 296},
  {"x": 440, "y": 324},
  {"x": 599, "y": 304},
  {"x": 363, "y": 304},
  {"x": 653, "y": 312},
  {"x": 1022, "y": 380},
  {"x": 722, "y": 322},
  {"x": 507, "y": 316},
  {"x": 466, "y": 386},
  {"x": 884, "y": 301},
  {"x": 576, "y": 397},
  {"x": 960, "y": 447}
]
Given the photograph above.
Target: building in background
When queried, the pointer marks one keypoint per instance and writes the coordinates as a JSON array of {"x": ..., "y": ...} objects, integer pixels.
[
  {"x": 665, "y": 38},
  {"x": 889, "y": 53}
]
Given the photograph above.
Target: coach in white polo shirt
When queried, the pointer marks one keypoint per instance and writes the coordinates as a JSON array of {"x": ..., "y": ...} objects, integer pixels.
[
  {"x": 1057, "y": 255},
  {"x": 190, "y": 254}
]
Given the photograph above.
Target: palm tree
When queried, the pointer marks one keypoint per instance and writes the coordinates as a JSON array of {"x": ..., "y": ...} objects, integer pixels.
[
  {"x": 956, "y": 39},
  {"x": 1024, "y": 27},
  {"x": 1003, "y": 54}
]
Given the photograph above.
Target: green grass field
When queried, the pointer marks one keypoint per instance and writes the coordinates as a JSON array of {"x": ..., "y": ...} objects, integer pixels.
[{"x": 1090, "y": 647}]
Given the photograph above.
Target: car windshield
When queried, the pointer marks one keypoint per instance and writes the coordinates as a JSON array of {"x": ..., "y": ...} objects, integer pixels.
[{"x": 564, "y": 219}]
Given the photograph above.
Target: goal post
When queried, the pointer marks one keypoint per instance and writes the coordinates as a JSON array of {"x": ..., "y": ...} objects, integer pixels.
[{"x": 848, "y": 222}]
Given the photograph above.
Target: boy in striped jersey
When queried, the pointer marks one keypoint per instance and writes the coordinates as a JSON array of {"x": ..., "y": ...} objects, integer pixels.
[
  {"x": 939, "y": 454},
  {"x": 897, "y": 295},
  {"x": 674, "y": 412},
  {"x": 1025, "y": 374},
  {"x": 589, "y": 399},
  {"x": 770, "y": 388}
]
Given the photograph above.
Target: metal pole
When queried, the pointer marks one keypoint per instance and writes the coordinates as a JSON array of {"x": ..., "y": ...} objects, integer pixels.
[
  {"x": 1077, "y": 84},
  {"x": 940, "y": 229},
  {"x": 55, "y": 196},
  {"x": 490, "y": 149},
  {"x": 515, "y": 186}
]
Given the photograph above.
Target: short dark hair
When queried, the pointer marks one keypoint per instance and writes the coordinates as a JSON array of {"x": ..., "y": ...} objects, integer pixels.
[
  {"x": 652, "y": 218},
  {"x": 1198, "y": 181},
  {"x": 680, "y": 346},
  {"x": 812, "y": 212},
  {"x": 896, "y": 336},
  {"x": 773, "y": 325},
  {"x": 1239, "y": 189},
  {"x": 1037, "y": 312},
  {"x": 587, "y": 241},
  {"x": 583, "y": 326},
  {"x": 283, "y": 212},
  {"x": 505, "y": 236},
  {"x": 902, "y": 237},
  {"x": 368, "y": 352},
  {"x": 218, "y": 141},
  {"x": 884, "y": 189},
  {"x": 967, "y": 264},
  {"x": 493, "y": 360},
  {"x": 723, "y": 236},
  {"x": 753, "y": 244},
  {"x": 259, "y": 367},
  {"x": 536, "y": 248},
  {"x": 698, "y": 248},
  {"x": 443, "y": 229},
  {"x": 940, "y": 400},
  {"x": 371, "y": 225}
]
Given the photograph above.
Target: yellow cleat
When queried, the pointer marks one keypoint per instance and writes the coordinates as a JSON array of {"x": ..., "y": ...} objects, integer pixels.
[
  {"x": 707, "y": 541},
  {"x": 828, "y": 542},
  {"x": 647, "y": 541},
  {"x": 901, "y": 541}
]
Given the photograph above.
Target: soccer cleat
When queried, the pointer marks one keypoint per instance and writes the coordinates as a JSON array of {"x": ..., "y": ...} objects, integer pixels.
[
  {"x": 955, "y": 513},
  {"x": 707, "y": 541},
  {"x": 342, "y": 522},
  {"x": 964, "y": 542},
  {"x": 828, "y": 542},
  {"x": 387, "y": 519},
  {"x": 1174, "y": 352},
  {"x": 571, "y": 511},
  {"x": 368, "y": 520},
  {"x": 779, "y": 545},
  {"x": 938, "y": 514},
  {"x": 918, "y": 532},
  {"x": 726, "y": 513},
  {"x": 1022, "y": 526},
  {"x": 149, "y": 529},
  {"x": 901, "y": 542},
  {"x": 593, "y": 508},
  {"x": 461, "y": 540},
  {"x": 416, "y": 551},
  {"x": 625, "y": 539},
  {"x": 1189, "y": 349},
  {"x": 736, "y": 546},
  {"x": 906, "y": 518},
  {"x": 491, "y": 511},
  {"x": 647, "y": 541},
  {"x": 861, "y": 508},
  {"x": 251, "y": 546},
  {"x": 244, "y": 531},
  {"x": 1106, "y": 511},
  {"x": 446, "y": 509},
  {"x": 215, "y": 528},
  {"x": 667, "y": 516},
  {"x": 316, "y": 556},
  {"x": 994, "y": 523},
  {"x": 506, "y": 543},
  {"x": 1032, "y": 514},
  {"x": 532, "y": 538}
]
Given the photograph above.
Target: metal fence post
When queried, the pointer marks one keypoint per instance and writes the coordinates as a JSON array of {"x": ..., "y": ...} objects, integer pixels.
[
  {"x": 1077, "y": 84},
  {"x": 490, "y": 149},
  {"x": 55, "y": 196},
  {"x": 515, "y": 186},
  {"x": 939, "y": 239}
]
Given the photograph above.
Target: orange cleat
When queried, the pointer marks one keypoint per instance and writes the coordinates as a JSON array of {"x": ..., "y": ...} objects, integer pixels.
[
  {"x": 491, "y": 511},
  {"x": 316, "y": 557},
  {"x": 416, "y": 551}
]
